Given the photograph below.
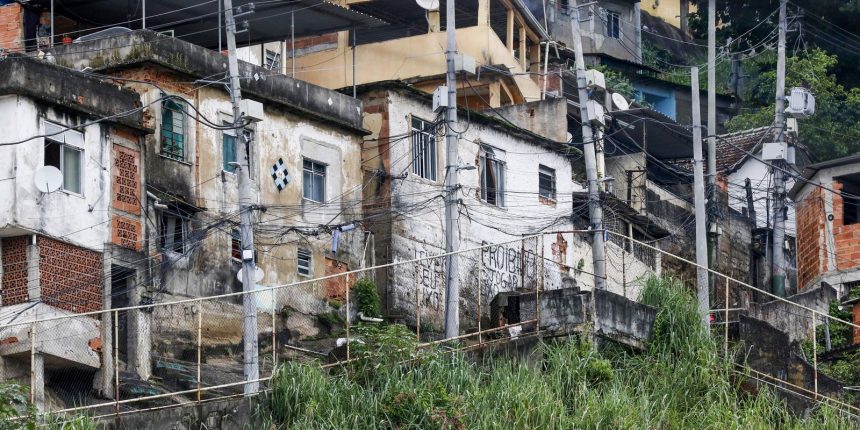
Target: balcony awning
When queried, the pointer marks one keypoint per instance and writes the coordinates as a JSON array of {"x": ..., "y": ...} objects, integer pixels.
[{"x": 199, "y": 22}]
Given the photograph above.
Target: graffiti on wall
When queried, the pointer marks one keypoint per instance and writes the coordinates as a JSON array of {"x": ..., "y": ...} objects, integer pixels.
[{"x": 430, "y": 276}]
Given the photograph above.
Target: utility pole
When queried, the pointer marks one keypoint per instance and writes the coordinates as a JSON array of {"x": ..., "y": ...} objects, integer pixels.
[
  {"x": 778, "y": 279},
  {"x": 713, "y": 205},
  {"x": 699, "y": 196},
  {"x": 595, "y": 210},
  {"x": 251, "y": 367},
  {"x": 452, "y": 207}
]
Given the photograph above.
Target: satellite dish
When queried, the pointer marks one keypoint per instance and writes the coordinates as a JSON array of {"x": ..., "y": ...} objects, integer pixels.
[
  {"x": 258, "y": 274},
  {"x": 428, "y": 4},
  {"x": 620, "y": 102},
  {"x": 48, "y": 179}
]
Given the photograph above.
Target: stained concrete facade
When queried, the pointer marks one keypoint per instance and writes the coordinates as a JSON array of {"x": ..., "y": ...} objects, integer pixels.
[
  {"x": 407, "y": 208},
  {"x": 59, "y": 247}
]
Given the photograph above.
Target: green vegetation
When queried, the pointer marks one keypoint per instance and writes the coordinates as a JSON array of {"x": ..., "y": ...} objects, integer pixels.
[
  {"x": 14, "y": 404},
  {"x": 846, "y": 368},
  {"x": 367, "y": 298},
  {"x": 833, "y": 130},
  {"x": 680, "y": 382}
]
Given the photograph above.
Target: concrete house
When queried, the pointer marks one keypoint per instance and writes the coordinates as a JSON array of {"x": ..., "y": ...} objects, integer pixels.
[
  {"x": 514, "y": 183},
  {"x": 64, "y": 240}
]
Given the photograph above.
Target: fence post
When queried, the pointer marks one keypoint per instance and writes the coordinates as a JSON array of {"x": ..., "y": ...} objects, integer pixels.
[
  {"x": 540, "y": 284},
  {"x": 726, "y": 323},
  {"x": 116, "y": 360},
  {"x": 199, "y": 345},
  {"x": 346, "y": 283},
  {"x": 480, "y": 293},
  {"x": 33, "y": 363},
  {"x": 274, "y": 332},
  {"x": 815, "y": 354},
  {"x": 417, "y": 302}
]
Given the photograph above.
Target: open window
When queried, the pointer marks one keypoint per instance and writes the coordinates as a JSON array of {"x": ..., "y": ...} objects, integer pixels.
[
  {"x": 313, "y": 181},
  {"x": 850, "y": 198},
  {"x": 173, "y": 232},
  {"x": 613, "y": 25},
  {"x": 64, "y": 150},
  {"x": 423, "y": 148},
  {"x": 492, "y": 175},
  {"x": 173, "y": 130},
  {"x": 546, "y": 182}
]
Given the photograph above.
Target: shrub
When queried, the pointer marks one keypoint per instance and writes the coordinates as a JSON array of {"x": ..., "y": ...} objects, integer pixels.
[{"x": 367, "y": 298}]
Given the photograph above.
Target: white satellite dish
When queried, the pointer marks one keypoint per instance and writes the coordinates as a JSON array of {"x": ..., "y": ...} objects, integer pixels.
[
  {"x": 48, "y": 179},
  {"x": 620, "y": 102},
  {"x": 428, "y": 4},
  {"x": 258, "y": 274}
]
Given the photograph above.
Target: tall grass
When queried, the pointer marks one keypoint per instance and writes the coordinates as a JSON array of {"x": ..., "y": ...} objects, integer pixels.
[{"x": 680, "y": 382}]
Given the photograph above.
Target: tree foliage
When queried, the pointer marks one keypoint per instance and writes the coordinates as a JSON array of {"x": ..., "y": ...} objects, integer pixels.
[{"x": 833, "y": 131}]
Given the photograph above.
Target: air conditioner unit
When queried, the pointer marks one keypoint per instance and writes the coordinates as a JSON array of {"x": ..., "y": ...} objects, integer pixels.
[
  {"x": 774, "y": 151},
  {"x": 465, "y": 63},
  {"x": 595, "y": 79},
  {"x": 595, "y": 112},
  {"x": 251, "y": 110},
  {"x": 801, "y": 103}
]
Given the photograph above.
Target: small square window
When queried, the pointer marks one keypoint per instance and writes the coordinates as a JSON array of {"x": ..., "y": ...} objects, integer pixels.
[
  {"x": 313, "y": 178},
  {"x": 423, "y": 149},
  {"x": 173, "y": 232},
  {"x": 173, "y": 130},
  {"x": 68, "y": 159},
  {"x": 303, "y": 263},
  {"x": 546, "y": 182}
]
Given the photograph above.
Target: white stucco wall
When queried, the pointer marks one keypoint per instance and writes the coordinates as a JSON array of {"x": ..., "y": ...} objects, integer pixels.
[
  {"x": 59, "y": 214},
  {"x": 761, "y": 181}
]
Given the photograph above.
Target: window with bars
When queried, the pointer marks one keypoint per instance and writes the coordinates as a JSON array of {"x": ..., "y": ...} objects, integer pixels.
[
  {"x": 423, "y": 148},
  {"x": 492, "y": 176},
  {"x": 313, "y": 181},
  {"x": 273, "y": 60},
  {"x": 236, "y": 244},
  {"x": 303, "y": 262},
  {"x": 173, "y": 130},
  {"x": 546, "y": 182},
  {"x": 63, "y": 150}
]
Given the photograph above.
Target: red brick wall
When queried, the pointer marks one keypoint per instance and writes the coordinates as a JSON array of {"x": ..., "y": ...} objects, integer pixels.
[
  {"x": 847, "y": 237},
  {"x": 14, "y": 270},
  {"x": 71, "y": 277},
  {"x": 12, "y": 27},
  {"x": 810, "y": 227},
  {"x": 335, "y": 288}
]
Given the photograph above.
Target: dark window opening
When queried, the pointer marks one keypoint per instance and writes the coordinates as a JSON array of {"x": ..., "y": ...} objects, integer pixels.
[
  {"x": 492, "y": 176},
  {"x": 173, "y": 232},
  {"x": 122, "y": 279},
  {"x": 423, "y": 148},
  {"x": 236, "y": 244},
  {"x": 850, "y": 199},
  {"x": 613, "y": 25},
  {"x": 546, "y": 182}
]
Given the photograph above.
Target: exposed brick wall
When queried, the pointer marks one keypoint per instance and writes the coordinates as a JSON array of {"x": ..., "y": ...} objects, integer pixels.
[
  {"x": 335, "y": 288},
  {"x": 126, "y": 232},
  {"x": 14, "y": 270},
  {"x": 12, "y": 27},
  {"x": 126, "y": 180},
  {"x": 810, "y": 237},
  {"x": 847, "y": 237},
  {"x": 71, "y": 277}
]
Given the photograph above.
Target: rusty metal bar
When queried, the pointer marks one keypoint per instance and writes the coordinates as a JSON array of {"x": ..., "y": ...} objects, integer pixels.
[
  {"x": 815, "y": 355},
  {"x": 540, "y": 284},
  {"x": 480, "y": 293},
  {"x": 116, "y": 359},
  {"x": 32, "y": 363},
  {"x": 274, "y": 333},
  {"x": 417, "y": 302},
  {"x": 199, "y": 346},
  {"x": 346, "y": 283},
  {"x": 726, "y": 320}
]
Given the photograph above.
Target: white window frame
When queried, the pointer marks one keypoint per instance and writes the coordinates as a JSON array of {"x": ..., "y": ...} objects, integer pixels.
[
  {"x": 424, "y": 155},
  {"x": 276, "y": 60},
  {"x": 493, "y": 158},
  {"x": 304, "y": 270},
  {"x": 313, "y": 172},
  {"x": 164, "y": 218},
  {"x": 71, "y": 139},
  {"x": 550, "y": 173},
  {"x": 613, "y": 17}
]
